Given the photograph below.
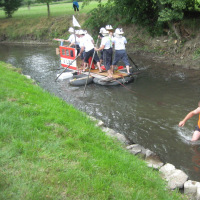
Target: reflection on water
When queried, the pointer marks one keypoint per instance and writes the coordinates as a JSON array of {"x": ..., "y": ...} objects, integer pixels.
[{"x": 149, "y": 115}]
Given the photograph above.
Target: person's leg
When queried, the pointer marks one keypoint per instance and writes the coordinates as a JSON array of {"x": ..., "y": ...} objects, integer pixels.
[
  {"x": 84, "y": 66},
  {"x": 87, "y": 55},
  {"x": 110, "y": 61},
  {"x": 196, "y": 135},
  {"x": 117, "y": 58},
  {"x": 74, "y": 9},
  {"x": 96, "y": 59},
  {"x": 101, "y": 57},
  {"x": 126, "y": 62},
  {"x": 127, "y": 68},
  {"x": 107, "y": 62},
  {"x": 99, "y": 66}
]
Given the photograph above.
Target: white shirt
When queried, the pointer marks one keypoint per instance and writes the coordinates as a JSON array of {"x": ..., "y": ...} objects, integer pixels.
[
  {"x": 87, "y": 43},
  {"x": 88, "y": 35},
  {"x": 72, "y": 38},
  {"x": 119, "y": 43},
  {"x": 107, "y": 42}
]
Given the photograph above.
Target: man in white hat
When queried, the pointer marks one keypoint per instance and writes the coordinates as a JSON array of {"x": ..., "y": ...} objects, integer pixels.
[
  {"x": 120, "y": 50},
  {"x": 100, "y": 36},
  {"x": 106, "y": 46},
  {"x": 73, "y": 40},
  {"x": 110, "y": 29},
  {"x": 87, "y": 44}
]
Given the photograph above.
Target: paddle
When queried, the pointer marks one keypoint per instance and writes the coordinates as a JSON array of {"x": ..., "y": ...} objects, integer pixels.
[
  {"x": 133, "y": 62},
  {"x": 90, "y": 68},
  {"x": 67, "y": 67}
]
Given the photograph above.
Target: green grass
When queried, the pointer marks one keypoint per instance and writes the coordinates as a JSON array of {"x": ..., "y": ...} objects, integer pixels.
[
  {"x": 50, "y": 150},
  {"x": 37, "y": 11}
]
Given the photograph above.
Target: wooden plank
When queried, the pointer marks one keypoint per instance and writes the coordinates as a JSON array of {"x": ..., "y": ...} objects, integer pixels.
[{"x": 95, "y": 73}]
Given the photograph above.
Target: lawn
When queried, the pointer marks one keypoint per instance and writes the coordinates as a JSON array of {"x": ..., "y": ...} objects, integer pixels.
[{"x": 55, "y": 9}]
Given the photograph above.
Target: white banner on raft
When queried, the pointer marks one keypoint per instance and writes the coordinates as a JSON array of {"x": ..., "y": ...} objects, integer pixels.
[{"x": 66, "y": 61}]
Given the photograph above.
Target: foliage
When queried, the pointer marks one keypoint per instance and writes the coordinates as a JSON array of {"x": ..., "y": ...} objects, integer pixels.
[
  {"x": 10, "y": 6},
  {"x": 86, "y": 2},
  {"x": 171, "y": 10},
  {"x": 152, "y": 14},
  {"x": 192, "y": 4},
  {"x": 100, "y": 16}
]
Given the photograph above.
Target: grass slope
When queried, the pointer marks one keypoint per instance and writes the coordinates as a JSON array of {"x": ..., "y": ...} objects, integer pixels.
[
  {"x": 34, "y": 24},
  {"x": 37, "y": 11},
  {"x": 50, "y": 150}
]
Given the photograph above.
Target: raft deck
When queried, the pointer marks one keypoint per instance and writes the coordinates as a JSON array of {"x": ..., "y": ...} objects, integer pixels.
[{"x": 104, "y": 75}]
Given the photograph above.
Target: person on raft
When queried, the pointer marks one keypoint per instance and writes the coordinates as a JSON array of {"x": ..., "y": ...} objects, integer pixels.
[
  {"x": 110, "y": 29},
  {"x": 119, "y": 42},
  {"x": 106, "y": 46},
  {"x": 87, "y": 44},
  {"x": 196, "y": 134},
  {"x": 73, "y": 39},
  {"x": 75, "y": 6},
  {"x": 100, "y": 36}
]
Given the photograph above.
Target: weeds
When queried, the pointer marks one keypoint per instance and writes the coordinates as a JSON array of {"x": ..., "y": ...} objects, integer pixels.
[{"x": 196, "y": 54}]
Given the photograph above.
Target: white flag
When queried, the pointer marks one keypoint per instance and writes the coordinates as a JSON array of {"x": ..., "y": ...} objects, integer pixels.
[{"x": 75, "y": 22}]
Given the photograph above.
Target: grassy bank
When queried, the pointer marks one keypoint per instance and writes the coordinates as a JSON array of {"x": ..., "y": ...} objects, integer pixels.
[
  {"x": 49, "y": 150},
  {"x": 34, "y": 25}
]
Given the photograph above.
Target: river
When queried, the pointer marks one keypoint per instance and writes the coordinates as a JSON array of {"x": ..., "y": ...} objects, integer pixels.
[{"x": 147, "y": 111}]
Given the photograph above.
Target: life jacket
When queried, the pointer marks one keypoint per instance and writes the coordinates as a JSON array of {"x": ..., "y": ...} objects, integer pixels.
[{"x": 199, "y": 122}]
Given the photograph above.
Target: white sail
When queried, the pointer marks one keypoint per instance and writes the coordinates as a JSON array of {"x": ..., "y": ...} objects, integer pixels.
[{"x": 75, "y": 22}]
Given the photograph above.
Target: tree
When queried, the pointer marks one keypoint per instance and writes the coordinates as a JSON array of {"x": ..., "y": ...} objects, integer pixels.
[
  {"x": 1, "y": 4},
  {"x": 154, "y": 15},
  {"x": 10, "y": 6},
  {"x": 28, "y": 3},
  {"x": 47, "y": 2}
]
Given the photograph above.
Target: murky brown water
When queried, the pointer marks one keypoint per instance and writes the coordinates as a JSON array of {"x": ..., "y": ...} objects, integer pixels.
[{"x": 149, "y": 115}]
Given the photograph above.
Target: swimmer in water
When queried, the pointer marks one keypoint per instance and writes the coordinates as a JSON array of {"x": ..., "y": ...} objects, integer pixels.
[{"x": 196, "y": 134}]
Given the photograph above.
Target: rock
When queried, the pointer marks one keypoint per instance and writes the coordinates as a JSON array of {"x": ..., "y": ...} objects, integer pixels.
[
  {"x": 27, "y": 76},
  {"x": 175, "y": 177},
  {"x": 167, "y": 170},
  {"x": 92, "y": 118},
  {"x": 154, "y": 161},
  {"x": 198, "y": 192},
  {"x": 122, "y": 139},
  {"x": 134, "y": 148},
  {"x": 100, "y": 123},
  {"x": 149, "y": 153},
  {"x": 190, "y": 187},
  {"x": 109, "y": 131}
]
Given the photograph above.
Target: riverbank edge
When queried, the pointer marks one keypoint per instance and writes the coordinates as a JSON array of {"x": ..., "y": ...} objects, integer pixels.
[{"x": 108, "y": 131}]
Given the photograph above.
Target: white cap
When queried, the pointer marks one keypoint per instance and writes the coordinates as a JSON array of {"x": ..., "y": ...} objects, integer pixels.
[
  {"x": 105, "y": 32},
  {"x": 119, "y": 31},
  {"x": 85, "y": 31},
  {"x": 77, "y": 32},
  {"x": 81, "y": 32},
  {"x": 101, "y": 30},
  {"x": 71, "y": 30},
  {"x": 109, "y": 27}
]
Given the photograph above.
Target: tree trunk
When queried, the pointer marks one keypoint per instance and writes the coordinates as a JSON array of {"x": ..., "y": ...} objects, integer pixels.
[{"x": 48, "y": 9}]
